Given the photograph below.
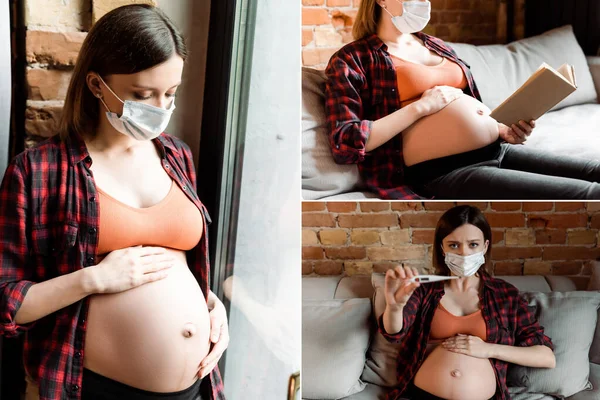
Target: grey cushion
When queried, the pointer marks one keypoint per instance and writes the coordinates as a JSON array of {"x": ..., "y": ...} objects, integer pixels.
[
  {"x": 335, "y": 338},
  {"x": 558, "y": 313},
  {"x": 593, "y": 394},
  {"x": 499, "y": 70},
  {"x": 371, "y": 392},
  {"x": 595, "y": 285},
  {"x": 321, "y": 176}
]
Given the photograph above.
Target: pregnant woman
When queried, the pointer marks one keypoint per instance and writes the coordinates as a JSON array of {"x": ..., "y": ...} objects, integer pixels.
[
  {"x": 103, "y": 258},
  {"x": 406, "y": 109},
  {"x": 459, "y": 335}
]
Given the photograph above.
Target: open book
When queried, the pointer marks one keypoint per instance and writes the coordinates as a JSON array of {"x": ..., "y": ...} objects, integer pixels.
[{"x": 543, "y": 90}]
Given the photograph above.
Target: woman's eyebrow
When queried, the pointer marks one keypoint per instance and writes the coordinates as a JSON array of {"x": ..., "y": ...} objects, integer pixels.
[{"x": 151, "y": 88}]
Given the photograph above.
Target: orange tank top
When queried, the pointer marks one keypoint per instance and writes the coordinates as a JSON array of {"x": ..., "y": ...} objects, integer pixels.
[
  {"x": 445, "y": 324},
  {"x": 414, "y": 79},
  {"x": 175, "y": 222}
]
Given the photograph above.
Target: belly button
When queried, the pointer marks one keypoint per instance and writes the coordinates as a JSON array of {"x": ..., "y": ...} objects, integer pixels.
[
  {"x": 455, "y": 373},
  {"x": 189, "y": 330}
]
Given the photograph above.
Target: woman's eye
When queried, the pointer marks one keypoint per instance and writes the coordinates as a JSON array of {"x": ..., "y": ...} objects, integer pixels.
[
  {"x": 171, "y": 95},
  {"x": 140, "y": 97},
  {"x": 474, "y": 244},
  {"x": 453, "y": 246}
]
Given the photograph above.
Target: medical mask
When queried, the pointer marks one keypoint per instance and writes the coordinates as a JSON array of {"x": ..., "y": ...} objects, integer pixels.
[
  {"x": 464, "y": 265},
  {"x": 139, "y": 121},
  {"x": 414, "y": 18}
]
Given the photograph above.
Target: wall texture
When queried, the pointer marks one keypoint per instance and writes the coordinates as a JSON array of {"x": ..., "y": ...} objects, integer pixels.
[{"x": 528, "y": 238}]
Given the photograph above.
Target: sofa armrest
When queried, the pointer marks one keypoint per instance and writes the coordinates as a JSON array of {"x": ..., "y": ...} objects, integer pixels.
[{"x": 594, "y": 64}]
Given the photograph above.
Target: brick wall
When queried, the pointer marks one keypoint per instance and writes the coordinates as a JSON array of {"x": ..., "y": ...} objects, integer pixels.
[
  {"x": 528, "y": 238},
  {"x": 327, "y": 24},
  {"x": 55, "y": 31}
]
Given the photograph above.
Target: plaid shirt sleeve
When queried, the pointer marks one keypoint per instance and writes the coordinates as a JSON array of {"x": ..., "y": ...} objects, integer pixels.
[
  {"x": 408, "y": 317},
  {"x": 348, "y": 132},
  {"x": 13, "y": 249},
  {"x": 528, "y": 330}
]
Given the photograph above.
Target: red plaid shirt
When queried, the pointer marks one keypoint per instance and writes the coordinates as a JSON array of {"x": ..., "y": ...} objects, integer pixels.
[
  {"x": 508, "y": 321},
  {"x": 49, "y": 226},
  {"x": 361, "y": 88}
]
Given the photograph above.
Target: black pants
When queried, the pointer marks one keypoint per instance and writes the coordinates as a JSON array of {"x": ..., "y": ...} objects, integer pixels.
[
  {"x": 512, "y": 172},
  {"x": 414, "y": 393},
  {"x": 98, "y": 387}
]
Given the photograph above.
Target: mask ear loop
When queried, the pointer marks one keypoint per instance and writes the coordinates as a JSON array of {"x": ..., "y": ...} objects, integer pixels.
[{"x": 99, "y": 96}]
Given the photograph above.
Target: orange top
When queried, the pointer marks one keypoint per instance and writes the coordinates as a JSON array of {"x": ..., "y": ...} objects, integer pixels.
[
  {"x": 445, "y": 324},
  {"x": 174, "y": 222},
  {"x": 414, "y": 79}
]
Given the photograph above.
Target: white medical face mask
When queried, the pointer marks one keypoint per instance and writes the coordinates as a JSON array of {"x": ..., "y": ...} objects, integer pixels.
[
  {"x": 414, "y": 18},
  {"x": 139, "y": 121},
  {"x": 464, "y": 265}
]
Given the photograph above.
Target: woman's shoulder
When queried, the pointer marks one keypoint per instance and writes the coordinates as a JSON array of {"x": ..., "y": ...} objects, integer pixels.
[
  {"x": 49, "y": 151},
  {"x": 500, "y": 285},
  {"x": 356, "y": 50}
]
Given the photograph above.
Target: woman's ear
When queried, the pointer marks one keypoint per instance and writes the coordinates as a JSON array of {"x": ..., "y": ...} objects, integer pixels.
[
  {"x": 487, "y": 244},
  {"x": 93, "y": 83}
]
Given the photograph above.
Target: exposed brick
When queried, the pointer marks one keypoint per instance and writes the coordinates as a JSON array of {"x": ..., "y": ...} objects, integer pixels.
[
  {"x": 313, "y": 206},
  {"x": 537, "y": 268},
  {"x": 438, "y": 205},
  {"x": 333, "y": 237},
  {"x": 307, "y": 36},
  {"x": 567, "y": 268},
  {"x": 513, "y": 253},
  {"x": 569, "y": 206},
  {"x": 358, "y": 267},
  {"x": 508, "y": 268},
  {"x": 101, "y": 7},
  {"x": 356, "y": 3},
  {"x": 328, "y": 267},
  {"x": 313, "y": 2},
  {"x": 53, "y": 48},
  {"x": 450, "y": 17},
  {"x": 507, "y": 220},
  {"x": 582, "y": 237},
  {"x": 395, "y": 238},
  {"x": 420, "y": 220},
  {"x": 423, "y": 236},
  {"x": 520, "y": 237},
  {"x": 571, "y": 253},
  {"x": 481, "y": 205},
  {"x": 374, "y": 206},
  {"x": 309, "y": 237},
  {"x": 342, "y": 206},
  {"x": 307, "y": 267},
  {"x": 47, "y": 84},
  {"x": 59, "y": 15},
  {"x": 557, "y": 220},
  {"x": 593, "y": 206},
  {"x": 346, "y": 253},
  {"x": 341, "y": 19},
  {"x": 312, "y": 253},
  {"x": 368, "y": 221},
  {"x": 595, "y": 222},
  {"x": 338, "y": 3},
  {"x": 42, "y": 118},
  {"x": 313, "y": 57},
  {"x": 318, "y": 219},
  {"x": 396, "y": 253},
  {"x": 581, "y": 282},
  {"x": 382, "y": 267},
  {"x": 588, "y": 268},
  {"x": 363, "y": 237},
  {"x": 497, "y": 236},
  {"x": 406, "y": 206},
  {"x": 327, "y": 36},
  {"x": 537, "y": 206},
  {"x": 551, "y": 236},
  {"x": 505, "y": 206},
  {"x": 315, "y": 16}
]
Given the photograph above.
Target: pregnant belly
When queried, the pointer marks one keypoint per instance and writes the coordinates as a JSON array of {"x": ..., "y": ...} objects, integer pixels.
[
  {"x": 152, "y": 337},
  {"x": 455, "y": 129},
  {"x": 456, "y": 376}
]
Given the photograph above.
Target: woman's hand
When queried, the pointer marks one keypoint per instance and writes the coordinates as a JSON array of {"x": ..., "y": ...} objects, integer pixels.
[
  {"x": 438, "y": 97},
  {"x": 516, "y": 134},
  {"x": 127, "y": 268},
  {"x": 397, "y": 287},
  {"x": 219, "y": 335},
  {"x": 472, "y": 346}
]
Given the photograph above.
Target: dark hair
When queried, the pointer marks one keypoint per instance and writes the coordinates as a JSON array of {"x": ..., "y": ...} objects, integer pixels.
[
  {"x": 455, "y": 218},
  {"x": 126, "y": 40}
]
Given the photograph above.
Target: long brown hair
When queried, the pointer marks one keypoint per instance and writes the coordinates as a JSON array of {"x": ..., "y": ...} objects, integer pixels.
[
  {"x": 455, "y": 218},
  {"x": 126, "y": 40},
  {"x": 366, "y": 19}
]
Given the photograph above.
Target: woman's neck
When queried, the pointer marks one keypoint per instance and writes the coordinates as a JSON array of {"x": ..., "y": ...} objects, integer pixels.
[
  {"x": 464, "y": 284},
  {"x": 388, "y": 33},
  {"x": 110, "y": 141}
]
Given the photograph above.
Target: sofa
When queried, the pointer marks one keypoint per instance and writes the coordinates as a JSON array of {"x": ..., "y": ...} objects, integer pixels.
[
  {"x": 345, "y": 357},
  {"x": 571, "y": 127}
]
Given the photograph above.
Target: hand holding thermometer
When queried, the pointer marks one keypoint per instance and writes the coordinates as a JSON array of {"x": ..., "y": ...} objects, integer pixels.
[{"x": 431, "y": 278}]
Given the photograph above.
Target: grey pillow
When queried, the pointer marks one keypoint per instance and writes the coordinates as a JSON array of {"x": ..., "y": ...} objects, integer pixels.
[
  {"x": 335, "y": 338},
  {"x": 595, "y": 285},
  {"x": 499, "y": 70},
  {"x": 321, "y": 176},
  {"x": 569, "y": 319}
]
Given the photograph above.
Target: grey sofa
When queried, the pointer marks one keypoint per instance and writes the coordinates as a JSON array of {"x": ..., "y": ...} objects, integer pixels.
[
  {"x": 572, "y": 127},
  {"x": 378, "y": 362}
]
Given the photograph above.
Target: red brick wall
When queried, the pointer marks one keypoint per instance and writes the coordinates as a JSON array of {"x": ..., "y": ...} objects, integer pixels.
[
  {"x": 528, "y": 238},
  {"x": 327, "y": 24}
]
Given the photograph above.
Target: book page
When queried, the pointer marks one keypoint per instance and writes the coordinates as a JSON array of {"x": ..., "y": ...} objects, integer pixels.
[{"x": 566, "y": 71}]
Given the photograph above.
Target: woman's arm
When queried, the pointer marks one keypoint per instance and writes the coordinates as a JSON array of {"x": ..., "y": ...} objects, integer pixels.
[
  {"x": 537, "y": 356},
  {"x": 384, "y": 129}
]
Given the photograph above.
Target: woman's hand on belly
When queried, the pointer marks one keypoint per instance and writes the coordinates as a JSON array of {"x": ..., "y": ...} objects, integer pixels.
[
  {"x": 438, "y": 97},
  {"x": 219, "y": 335},
  {"x": 469, "y": 345}
]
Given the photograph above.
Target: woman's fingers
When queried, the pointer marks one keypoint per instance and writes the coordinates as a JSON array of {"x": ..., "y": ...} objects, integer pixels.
[
  {"x": 158, "y": 266},
  {"x": 150, "y": 251},
  {"x": 153, "y": 277},
  {"x": 519, "y": 132},
  {"x": 525, "y": 127}
]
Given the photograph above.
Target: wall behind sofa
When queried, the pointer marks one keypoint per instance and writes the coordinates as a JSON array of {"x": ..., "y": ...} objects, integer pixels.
[{"x": 528, "y": 238}]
